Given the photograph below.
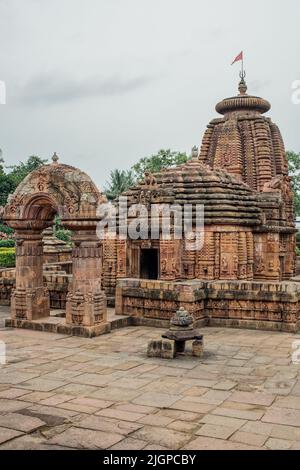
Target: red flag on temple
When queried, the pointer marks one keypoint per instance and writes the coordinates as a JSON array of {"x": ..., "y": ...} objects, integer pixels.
[{"x": 238, "y": 57}]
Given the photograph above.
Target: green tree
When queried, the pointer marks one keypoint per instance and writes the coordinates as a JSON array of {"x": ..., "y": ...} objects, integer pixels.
[
  {"x": 120, "y": 181},
  {"x": 22, "y": 169},
  {"x": 294, "y": 171},
  {"x": 163, "y": 159},
  {"x": 10, "y": 180},
  {"x": 6, "y": 184},
  {"x": 60, "y": 232}
]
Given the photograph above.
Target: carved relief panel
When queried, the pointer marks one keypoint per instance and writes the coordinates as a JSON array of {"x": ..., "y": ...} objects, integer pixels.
[
  {"x": 229, "y": 260},
  {"x": 170, "y": 259},
  {"x": 205, "y": 258},
  {"x": 121, "y": 258}
]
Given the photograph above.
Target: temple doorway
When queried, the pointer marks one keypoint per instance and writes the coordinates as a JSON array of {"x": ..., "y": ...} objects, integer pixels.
[{"x": 149, "y": 263}]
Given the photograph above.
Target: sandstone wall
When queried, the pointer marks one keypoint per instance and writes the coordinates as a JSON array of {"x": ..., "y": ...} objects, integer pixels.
[{"x": 270, "y": 306}]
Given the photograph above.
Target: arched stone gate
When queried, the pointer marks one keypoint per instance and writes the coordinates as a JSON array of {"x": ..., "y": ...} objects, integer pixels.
[{"x": 70, "y": 193}]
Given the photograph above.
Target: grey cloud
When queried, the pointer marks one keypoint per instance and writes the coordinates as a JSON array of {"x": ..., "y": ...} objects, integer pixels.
[
  {"x": 257, "y": 86},
  {"x": 50, "y": 90},
  {"x": 158, "y": 69}
]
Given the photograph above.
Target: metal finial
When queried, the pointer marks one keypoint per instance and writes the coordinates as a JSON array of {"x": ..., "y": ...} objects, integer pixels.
[
  {"x": 195, "y": 152},
  {"x": 55, "y": 158},
  {"x": 242, "y": 85}
]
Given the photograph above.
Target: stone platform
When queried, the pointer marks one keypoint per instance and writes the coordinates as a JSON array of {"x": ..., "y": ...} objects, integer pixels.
[
  {"x": 56, "y": 323},
  {"x": 65, "y": 392},
  {"x": 236, "y": 304}
]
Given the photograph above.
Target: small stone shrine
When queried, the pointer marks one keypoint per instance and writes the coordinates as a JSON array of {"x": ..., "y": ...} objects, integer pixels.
[{"x": 173, "y": 343}]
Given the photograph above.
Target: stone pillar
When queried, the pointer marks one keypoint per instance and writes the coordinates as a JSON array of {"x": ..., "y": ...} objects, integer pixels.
[
  {"x": 109, "y": 274},
  {"x": 30, "y": 299},
  {"x": 86, "y": 301}
]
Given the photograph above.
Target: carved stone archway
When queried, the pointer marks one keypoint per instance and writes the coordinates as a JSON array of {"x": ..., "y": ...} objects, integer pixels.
[{"x": 70, "y": 193}]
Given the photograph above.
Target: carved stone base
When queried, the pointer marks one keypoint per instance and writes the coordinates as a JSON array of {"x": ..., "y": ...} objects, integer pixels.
[
  {"x": 86, "y": 310},
  {"x": 60, "y": 328},
  {"x": 30, "y": 304},
  {"x": 198, "y": 348},
  {"x": 169, "y": 349},
  {"x": 163, "y": 349}
]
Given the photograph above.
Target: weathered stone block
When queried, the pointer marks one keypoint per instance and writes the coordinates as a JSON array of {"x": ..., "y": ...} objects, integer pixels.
[
  {"x": 161, "y": 348},
  {"x": 167, "y": 349},
  {"x": 154, "y": 348},
  {"x": 198, "y": 348}
]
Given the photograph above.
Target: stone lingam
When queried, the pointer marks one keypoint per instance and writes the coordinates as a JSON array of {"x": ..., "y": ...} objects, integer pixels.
[{"x": 173, "y": 341}]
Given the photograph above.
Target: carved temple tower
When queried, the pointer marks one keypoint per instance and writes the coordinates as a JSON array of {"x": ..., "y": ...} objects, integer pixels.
[
  {"x": 244, "y": 142},
  {"x": 249, "y": 145}
]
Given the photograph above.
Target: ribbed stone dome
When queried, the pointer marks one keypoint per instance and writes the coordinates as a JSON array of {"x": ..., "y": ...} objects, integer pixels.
[
  {"x": 226, "y": 200},
  {"x": 243, "y": 103}
]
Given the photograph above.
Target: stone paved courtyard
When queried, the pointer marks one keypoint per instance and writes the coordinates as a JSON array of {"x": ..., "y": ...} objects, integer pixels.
[{"x": 62, "y": 392}]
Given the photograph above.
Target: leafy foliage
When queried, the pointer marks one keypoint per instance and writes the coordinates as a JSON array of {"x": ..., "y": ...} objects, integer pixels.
[
  {"x": 64, "y": 235},
  {"x": 10, "y": 180},
  {"x": 60, "y": 232},
  {"x": 7, "y": 257},
  {"x": 120, "y": 181},
  {"x": 294, "y": 171},
  {"x": 5, "y": 229},
  {"x": 163, "y": 159},
  {"x": 7, "y": 243},
  {"x": 6, "y": 185}
]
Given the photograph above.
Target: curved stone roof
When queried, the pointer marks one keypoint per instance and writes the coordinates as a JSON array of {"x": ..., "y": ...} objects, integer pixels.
[
  {"x": 54, "y": 188},
  {"x": 226, "y": 200}
]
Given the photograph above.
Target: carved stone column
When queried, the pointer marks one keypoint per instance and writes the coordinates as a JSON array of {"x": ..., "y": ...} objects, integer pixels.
[
  {"x": 86, "y": 301},
  {"x": 30, "y": 299}
]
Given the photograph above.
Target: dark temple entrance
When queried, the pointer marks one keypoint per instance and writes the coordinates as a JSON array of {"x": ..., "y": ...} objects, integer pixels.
[{"x": 149, "y": 263}]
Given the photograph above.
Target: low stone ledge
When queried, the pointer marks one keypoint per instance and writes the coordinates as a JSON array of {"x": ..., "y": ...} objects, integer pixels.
[
  {"x": 267, "y": 325},
  {"x": 60, "y": 328}
]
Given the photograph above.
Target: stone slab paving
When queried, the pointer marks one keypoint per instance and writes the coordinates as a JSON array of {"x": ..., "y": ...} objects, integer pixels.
[{"x": 62, "y": 392}]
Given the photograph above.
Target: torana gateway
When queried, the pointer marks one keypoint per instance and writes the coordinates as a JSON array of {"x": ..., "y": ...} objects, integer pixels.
[{"x": 242, "y": 276}]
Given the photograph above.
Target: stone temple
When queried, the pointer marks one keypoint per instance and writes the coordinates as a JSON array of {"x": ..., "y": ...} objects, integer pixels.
[{"x": 241, "y": 276}]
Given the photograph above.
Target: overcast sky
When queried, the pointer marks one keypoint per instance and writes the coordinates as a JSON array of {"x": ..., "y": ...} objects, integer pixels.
[{"x": 105, "y": 82}]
